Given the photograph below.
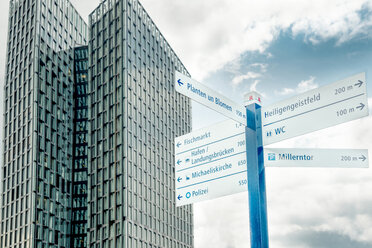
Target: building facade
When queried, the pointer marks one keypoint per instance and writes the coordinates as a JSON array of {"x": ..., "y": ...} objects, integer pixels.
[
  {"x": 89, "y": 131},
  {"x": 135, "y": 115},
  {"x": 38, "y": 123}
]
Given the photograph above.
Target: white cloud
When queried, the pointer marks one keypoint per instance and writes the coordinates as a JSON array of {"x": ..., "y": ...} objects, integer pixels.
[
  {"x": 249, "y": 75},
  {"x": 254, "y": 86},
  {"x": 303, "y": 86},
  {"x": 257, "y": 71},
  {"x": 286, "y": 91},
  {"x": 208, "y": 34},
  {"x": 261, "y": 66},
  {"x": 85, "y": 7}
]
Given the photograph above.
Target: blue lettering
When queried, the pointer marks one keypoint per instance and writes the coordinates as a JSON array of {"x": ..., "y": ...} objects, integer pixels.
[{"x": 279, "y": 130}]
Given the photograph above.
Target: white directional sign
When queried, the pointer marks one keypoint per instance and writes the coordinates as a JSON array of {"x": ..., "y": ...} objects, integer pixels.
[
  {"x": 210, "y": 162},
  {"x": 320, "y": 108},
  {"x": 210, "y": 98},
  {"x": 340, "y": 158}
]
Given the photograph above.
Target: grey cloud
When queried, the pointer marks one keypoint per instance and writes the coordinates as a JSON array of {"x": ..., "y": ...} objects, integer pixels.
[{"x": 321, "y": 239}]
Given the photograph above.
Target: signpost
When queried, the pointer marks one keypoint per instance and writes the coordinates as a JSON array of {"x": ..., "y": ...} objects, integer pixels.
[
  {"x": 210, "y": 163},
  {"x": 210, "y": 98},
  {"x": 227, "y": 157},
  {"x": 256, "y": 177},
  {"x": 320, "y": 108},
  {"x": 340, "y": 158}
]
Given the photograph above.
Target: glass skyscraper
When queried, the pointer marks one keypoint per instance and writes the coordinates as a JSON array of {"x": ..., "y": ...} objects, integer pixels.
[
  {"x": 89, "y": 128},
  {"x": 135, "y": 114},
  {"x": 37, "y": 167}
]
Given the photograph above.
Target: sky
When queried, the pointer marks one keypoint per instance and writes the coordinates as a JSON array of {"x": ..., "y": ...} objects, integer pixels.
[{"x": 280, "y": 49}]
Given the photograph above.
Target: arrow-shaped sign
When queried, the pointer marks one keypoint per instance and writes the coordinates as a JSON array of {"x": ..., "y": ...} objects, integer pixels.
[
  {"x": 359, "y": 83},
  {"x": 210, "y": 162},
  {"x": 363, "y": 158},
  {"x": 179, "y": 197},
  {"x": 178, "y": 144},
  {"x": 295, "y": 157},
  {"x": 326, "y": 106},
  {"x": 361, "y": 106},
  {"x": 210, "y": 98}
]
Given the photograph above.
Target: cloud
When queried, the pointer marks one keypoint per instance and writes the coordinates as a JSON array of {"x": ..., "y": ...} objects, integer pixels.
[
  {"x": 261, "y": 66},
  {"x": 303, "y": 86},
  {"x": 85, "y": 7},
  {"x": 321, "y": 239},
  {"x": 256, "y": 71},
  {"x": 254, "y": 85},
  {"x": 210, "y": 33},
  {"x": 222, "y": 223},
  {"x": 249, "y": 75}
]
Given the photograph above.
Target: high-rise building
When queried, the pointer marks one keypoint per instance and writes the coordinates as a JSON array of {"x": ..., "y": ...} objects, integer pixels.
[
  {"x": 89, "y": 130},
  {"x": 37, "y": 167},
  {"x": 135, "y": 115}
]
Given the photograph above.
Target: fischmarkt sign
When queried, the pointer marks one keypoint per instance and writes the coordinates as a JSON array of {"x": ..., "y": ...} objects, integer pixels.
[{"x": 210, "y": 163}]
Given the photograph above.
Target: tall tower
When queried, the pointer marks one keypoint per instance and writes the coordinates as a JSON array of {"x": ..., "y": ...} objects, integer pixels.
[
  {"x": 37, "y": 167},
  {"x": 135, "y": 115}
]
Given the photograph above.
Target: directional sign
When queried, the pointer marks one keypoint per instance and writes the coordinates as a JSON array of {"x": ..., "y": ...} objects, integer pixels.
[
  {"x": 340, "y": 158},
  {"x": 210, "y": 98},
  {"x": 210, "y": 163},
  {"x": 320, "y": 108}
]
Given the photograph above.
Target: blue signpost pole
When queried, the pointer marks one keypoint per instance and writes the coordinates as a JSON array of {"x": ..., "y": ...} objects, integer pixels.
[{"x": 256, "y": 178}]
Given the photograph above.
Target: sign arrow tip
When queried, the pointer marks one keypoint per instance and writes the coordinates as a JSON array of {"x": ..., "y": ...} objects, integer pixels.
[
  {"x": 359, "y": 84},
  {"x": 363, "y": 158},
  {"x": 361, "y": 106}
]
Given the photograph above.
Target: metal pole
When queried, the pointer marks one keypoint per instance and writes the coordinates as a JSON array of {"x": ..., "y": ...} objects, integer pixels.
[{"x": 256, "y": 174}]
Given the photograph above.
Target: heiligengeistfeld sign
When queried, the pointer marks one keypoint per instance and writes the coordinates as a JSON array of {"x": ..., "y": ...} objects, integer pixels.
[{"x": 320, "y": 108}]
